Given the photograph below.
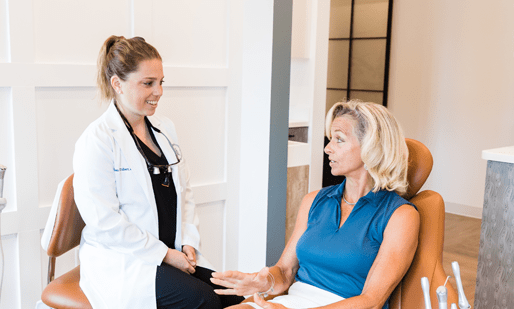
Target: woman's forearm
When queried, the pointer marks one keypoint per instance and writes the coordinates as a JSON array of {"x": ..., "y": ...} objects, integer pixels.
[{"x": 283, "y": 279}]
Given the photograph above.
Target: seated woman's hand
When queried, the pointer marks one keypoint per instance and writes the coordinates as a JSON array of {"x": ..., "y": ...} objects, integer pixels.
[
  {"x": 190, "y": 252},
  {"x": 238, "y": 283},
  {"x": 180, "y": 261}
]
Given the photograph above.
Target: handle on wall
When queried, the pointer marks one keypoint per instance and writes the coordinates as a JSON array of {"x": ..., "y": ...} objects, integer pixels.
[
  {"x": 2, "y": 173},
  {"x": 3, "y": 201}
]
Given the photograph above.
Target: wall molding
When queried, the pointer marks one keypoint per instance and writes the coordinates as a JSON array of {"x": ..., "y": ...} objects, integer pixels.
[
  {"x": 84, "y": 75},
  {"x": 15, "y": 221},
  {"x": 464, "y": 210}
]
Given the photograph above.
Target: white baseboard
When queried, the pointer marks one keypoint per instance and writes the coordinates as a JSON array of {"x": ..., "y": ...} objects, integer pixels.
[
  {"x": 464, "y": 210},
  {"x": 41, "y": 305}
]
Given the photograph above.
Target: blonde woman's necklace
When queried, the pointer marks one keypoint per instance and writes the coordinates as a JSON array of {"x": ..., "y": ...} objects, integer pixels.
[{"x": 351, "y": 204}]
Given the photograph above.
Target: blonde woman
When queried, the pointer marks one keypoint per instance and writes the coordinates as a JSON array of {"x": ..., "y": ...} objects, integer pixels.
[{"x": 352, "y": 242}]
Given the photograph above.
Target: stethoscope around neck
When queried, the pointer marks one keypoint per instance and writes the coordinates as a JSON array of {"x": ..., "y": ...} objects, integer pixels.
[{"x": 154, "y": 169}]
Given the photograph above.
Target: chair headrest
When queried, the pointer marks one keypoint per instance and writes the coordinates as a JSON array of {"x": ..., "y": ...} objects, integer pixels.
[{"x": 420, "y": 166}]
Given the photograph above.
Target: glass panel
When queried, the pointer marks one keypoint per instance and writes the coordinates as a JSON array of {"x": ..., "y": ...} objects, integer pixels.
[
  {"x": 334, "y": 96},
  {"x": 340, "y": 17},
  {"x": 368, "y": 64},
  {"x": 367, "y": 96},
  {"x": 370, "y": 18},
  {"x": 337, "y": 71}
]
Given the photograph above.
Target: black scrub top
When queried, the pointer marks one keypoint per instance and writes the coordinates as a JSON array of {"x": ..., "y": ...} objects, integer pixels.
[{"x": 165, "y": 197}]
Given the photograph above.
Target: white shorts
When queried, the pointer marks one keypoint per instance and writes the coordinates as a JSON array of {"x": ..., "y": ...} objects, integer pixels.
[{"x": 303, "y": 295}]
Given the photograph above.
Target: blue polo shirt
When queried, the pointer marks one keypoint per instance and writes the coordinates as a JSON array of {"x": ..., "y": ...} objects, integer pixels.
[{"x": 339, "y": 259}]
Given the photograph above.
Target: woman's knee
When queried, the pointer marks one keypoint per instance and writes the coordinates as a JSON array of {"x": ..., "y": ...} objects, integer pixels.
[
  {"x": 175, "y": 289},
  {"x": 192, "y": 299},
  {"x": 205, "y": 298}
]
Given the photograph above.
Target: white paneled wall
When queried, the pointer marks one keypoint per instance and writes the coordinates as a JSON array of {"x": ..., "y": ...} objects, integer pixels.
[
  {"x": 202, "y": 37},
  {"x": 4, "y": 32},
  {"x": 212, "y": 217},
  {"x": 60, "y": 35},
  {"x": 10, "y": 290},
  {"x": 48, "y": 52},
  {"x": 199, "y": 116},
  {"x": 6, "y": 145},
  {"x": 62, "y": 114}
]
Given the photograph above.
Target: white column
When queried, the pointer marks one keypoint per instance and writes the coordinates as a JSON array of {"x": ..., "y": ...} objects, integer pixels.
[
  {"x": 250, "y": 49},
  {"x": 320, "y": 46}
]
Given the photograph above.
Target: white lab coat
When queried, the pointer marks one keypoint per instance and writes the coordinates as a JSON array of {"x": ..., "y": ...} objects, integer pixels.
[{"x": 120, "y": 247}]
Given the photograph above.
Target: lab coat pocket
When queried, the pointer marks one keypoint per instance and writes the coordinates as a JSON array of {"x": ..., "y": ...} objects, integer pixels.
[
  {"x": 126, "y": 176},
  {"x": 126, "y": 184}
]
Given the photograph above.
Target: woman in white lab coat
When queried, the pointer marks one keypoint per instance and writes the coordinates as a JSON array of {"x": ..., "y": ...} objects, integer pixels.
[{"x": 139, "y": 248}]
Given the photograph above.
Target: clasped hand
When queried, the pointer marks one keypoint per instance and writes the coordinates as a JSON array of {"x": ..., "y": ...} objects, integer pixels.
[{"x": 184, "y": 261}]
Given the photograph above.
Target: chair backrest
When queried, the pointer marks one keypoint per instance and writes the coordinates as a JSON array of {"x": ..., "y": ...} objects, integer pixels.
[
  {"x": 67, "y": 227},
  {"x": 428, "y": 258}
]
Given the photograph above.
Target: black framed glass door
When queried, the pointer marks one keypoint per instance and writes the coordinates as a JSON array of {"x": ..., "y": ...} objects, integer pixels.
[{"x": 358, "y": 56}]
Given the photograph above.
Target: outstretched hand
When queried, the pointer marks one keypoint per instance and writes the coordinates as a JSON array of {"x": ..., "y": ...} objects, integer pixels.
[{"x": 238, "y": 283}]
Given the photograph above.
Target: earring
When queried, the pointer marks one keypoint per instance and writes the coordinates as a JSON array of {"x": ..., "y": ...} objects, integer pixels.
[{"x": 365, "y": 167}]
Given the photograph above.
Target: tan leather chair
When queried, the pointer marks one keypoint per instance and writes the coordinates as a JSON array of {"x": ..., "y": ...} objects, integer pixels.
[
  {"x": 429, "y": 255},
  {"x": 64, "y": 292},
  {"x": 427, "y": 261}
]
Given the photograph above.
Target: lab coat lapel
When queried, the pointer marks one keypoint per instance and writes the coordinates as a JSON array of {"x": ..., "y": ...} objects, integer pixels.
[
  {"x": 129, "y": 151},
  {"x": 163, "y": 142},
  {"x": 170, "y": 156}
]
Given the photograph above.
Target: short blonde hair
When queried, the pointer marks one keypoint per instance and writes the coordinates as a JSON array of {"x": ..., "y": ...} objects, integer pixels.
[{"x": 383, "y": 147}]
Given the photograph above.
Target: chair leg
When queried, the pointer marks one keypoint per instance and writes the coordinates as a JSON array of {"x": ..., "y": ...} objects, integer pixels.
[{"x": 51, "y": 269}]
